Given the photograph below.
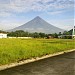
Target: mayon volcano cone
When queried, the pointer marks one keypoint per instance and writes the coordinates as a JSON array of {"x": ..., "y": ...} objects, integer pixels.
[{"x": 38, "y": 25}]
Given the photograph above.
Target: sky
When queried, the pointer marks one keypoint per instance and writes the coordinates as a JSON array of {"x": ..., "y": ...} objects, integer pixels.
[{"x": 14, "y": 13}]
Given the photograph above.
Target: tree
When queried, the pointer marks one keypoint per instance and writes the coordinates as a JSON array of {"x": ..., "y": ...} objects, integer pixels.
[
  {"x": 65, "y": 33},
  {"x": 60, "y": 33},
  {"x": 42, "y": 35},
  {"x": 55, "y": 35},
  {"x": 36, "y": 35}
]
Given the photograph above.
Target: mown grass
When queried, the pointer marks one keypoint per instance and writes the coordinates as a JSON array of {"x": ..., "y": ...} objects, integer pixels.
[{"x": 14, "y": 50}]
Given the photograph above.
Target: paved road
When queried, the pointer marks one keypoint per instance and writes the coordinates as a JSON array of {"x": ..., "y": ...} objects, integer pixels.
[{"x": 59, "y": 65}]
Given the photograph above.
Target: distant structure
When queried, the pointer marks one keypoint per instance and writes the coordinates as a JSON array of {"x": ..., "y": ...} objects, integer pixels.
[
  {"x": 71, "y": 34},
  {"x": 3, "y": 35},
  {"x": 49, "y": 37}
]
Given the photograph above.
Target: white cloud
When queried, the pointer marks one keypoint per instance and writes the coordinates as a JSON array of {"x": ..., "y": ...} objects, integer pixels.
[
  {"x": 55, "y": 12},
  {"x": 5, "y": 14},
  {"x": 64, "y": 24},
  {"x": 9, "y": 24},
  {"x": 9, "y": 7},
  {"x": 34, "y": 5}
]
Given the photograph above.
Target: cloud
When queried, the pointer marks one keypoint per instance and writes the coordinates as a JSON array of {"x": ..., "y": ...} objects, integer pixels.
[
  {"x": 66, "y": 24},
  {"x": 9, "y": 8},
  {"x": 20, "y": 6},
  {"x": 5, "y": 14},
  {"x": 9, "y": 24},
  {"x": 55, "y": 12}
]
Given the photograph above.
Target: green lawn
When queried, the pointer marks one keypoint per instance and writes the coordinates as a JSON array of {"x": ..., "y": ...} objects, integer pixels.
[{"x": 14, "y": 50}]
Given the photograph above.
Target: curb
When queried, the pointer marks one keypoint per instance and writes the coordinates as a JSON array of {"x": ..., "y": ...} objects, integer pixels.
[{"x": 3, "y": 67}]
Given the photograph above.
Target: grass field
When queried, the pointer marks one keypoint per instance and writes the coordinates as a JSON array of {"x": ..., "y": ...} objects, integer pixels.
[{"x": 14, "y": 50}]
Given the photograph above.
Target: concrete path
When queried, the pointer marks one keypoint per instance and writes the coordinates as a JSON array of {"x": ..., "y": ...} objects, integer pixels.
[{"x": 58, "y": 65}]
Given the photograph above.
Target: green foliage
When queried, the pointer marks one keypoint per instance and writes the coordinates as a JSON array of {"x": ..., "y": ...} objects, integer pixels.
[
  {"x": 42, "y": 35},
  {"x": 60, "y": 33},
  {"x": 55, "y": 35},
  {"x": 21, "y": 33},
  {"x": 66, "y": 33},
  {"x": 36, "y": 35},
  {"x": 18, "y": 33},
  {"x": 14, "y": 50}
]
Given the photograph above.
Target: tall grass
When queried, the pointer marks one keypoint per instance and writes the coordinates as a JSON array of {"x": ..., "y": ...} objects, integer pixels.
[{"x": 14, "y": 50}]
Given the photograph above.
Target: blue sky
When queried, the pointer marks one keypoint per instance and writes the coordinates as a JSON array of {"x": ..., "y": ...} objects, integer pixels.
[{"x": 14, "y": 13}]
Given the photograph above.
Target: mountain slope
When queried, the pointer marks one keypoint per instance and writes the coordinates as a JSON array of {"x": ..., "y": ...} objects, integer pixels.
[{"x": 38, "y": 25}]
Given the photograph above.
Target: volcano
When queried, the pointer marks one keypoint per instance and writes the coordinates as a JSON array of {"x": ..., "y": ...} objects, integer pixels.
[{"x": 38, "y": 25}]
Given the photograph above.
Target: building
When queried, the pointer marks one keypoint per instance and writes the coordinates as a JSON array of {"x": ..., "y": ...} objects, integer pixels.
[
  {"x": 49, "y": 37},
  {"x": 70, "y": 35},
  {"x": 3, "y": 35}
]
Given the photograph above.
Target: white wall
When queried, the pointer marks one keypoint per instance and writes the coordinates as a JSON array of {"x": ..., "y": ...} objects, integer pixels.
[
  {"x": 21, "y": 37},
  {"x": 3, "y": 35}
]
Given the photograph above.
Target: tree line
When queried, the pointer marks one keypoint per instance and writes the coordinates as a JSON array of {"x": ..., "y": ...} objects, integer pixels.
[{"x": 21, "y": 33}]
